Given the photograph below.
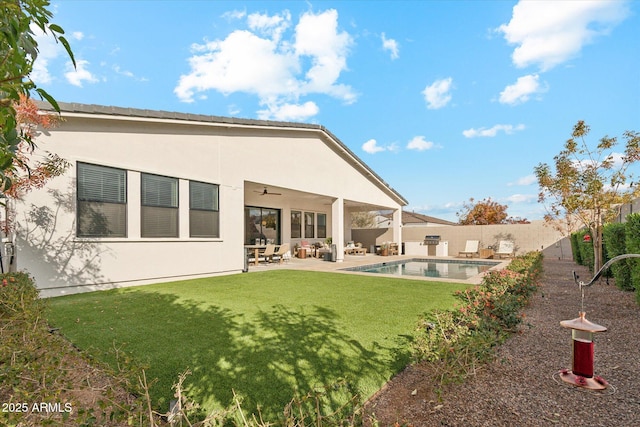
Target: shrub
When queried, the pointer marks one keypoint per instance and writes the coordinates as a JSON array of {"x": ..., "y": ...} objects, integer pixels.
[
  {"x": 584, "y": 249},
  {"x": 575, "y": 248},
  {"x": 454, "y": 341},
  {"x": 632, "y": 238},
  {"x": 615, "y": 243}
]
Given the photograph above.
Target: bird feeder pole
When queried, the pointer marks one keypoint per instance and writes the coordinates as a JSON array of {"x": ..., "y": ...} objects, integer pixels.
[{"x": 582, "y": 331}]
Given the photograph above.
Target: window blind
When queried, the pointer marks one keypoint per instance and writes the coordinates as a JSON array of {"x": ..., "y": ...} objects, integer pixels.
[
  {"x": 102, "y": 198},
  {"x": 204, "y": 218},
  {"x": 159, "y": 191},
  {"x": 203, "y": 196},
  {"x": 159, "y": 199},
  {"x": 101, "y": 184}
]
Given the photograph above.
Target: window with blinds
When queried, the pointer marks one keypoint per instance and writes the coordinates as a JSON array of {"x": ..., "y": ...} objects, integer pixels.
[
  {"x": 102, "y": 201},
  {"x": 322, "y": 225},
  {"x": 159, "y": 199},
  {"x": 309, "y": 227},
  {"x": 296, "y": 224},
  {"x": 204, "y": 218}
]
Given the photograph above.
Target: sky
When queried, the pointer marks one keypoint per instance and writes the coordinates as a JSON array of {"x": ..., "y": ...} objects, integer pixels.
[{"x": 445, "y": 100}]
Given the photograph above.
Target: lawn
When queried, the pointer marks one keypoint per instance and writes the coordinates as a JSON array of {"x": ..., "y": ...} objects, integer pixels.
[{"x": 265, "y": 335}]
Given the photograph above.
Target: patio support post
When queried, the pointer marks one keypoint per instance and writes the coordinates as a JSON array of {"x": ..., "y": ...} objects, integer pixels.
[
  {"x": 337, "y": 227},
  {"x": 397, "y": 228}
]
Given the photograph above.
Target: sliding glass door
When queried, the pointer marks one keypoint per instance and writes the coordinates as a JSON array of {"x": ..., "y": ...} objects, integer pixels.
[{"x": 261, "y": 224}]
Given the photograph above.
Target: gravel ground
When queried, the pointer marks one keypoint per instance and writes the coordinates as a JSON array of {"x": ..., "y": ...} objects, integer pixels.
[{"x": 521, "y": 387}]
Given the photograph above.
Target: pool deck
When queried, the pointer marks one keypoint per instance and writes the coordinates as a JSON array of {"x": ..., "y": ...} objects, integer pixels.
[{"x": 315, "y": 264}]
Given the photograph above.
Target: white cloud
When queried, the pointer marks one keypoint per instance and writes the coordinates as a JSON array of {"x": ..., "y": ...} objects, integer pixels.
[
  {"x": 372, "y": 147},
  {"x": 243, "y": 62},
  {"x": 437, "y": 94},
  {"x": 420, "y": 144},
  {"x": 297, "y": 112},
  {"x": 234, "y": 14},
  {"x": 493, "y": 131},
  {"x": 118, "y": 70},
  {"x": 48, "y": 50},
  {"x": 271, "y": 26},
  {"x": 522, "y": 198},
  {"x": 317, "y": 36},
  {"x": 261, "y": 61},
  {"x": 548, "y": 33},
  {"x": 522, "y": 90},
  {"x": 392, "y": 46},
  {"x": 77, "y": 35},
  {"x": 80, "y": 74},
  {"x": 525, "y": 180}
]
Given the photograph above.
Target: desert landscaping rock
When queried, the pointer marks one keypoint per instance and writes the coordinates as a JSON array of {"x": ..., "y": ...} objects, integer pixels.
[{"x": 521, "y": 387}]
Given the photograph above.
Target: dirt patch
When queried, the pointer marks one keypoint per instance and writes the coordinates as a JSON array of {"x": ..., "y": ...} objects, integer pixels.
[{"x": 522, "y": 385}]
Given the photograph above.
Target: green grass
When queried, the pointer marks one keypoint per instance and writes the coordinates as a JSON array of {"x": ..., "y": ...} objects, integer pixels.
[{"x": 266, "y": 335}]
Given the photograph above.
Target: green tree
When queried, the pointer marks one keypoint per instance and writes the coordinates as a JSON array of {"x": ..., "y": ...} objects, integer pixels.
[
  {"x": 486, "y": 212},
  {"x": 18, "y": 51},
  {"x": 589, "y": 185}
]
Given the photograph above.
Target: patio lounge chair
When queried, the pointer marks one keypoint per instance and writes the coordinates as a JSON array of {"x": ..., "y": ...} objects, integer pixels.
[
  {"x": 470, "y": 249},
  {"x": 359, "y": 250},
  {"x": 283, "y": 253},
  {"x": 269, "y": 252},
  {"x": 506, "y": 248},
  {"x": 349, "y": 248}
]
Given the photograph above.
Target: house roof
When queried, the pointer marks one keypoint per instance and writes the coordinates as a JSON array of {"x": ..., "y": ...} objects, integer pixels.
[
  {"x": 416, "y": 218},
  {"x": 169, "y": 116}
]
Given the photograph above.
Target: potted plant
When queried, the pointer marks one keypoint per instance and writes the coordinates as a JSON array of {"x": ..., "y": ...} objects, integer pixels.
[{"x": 384, "y": 249}]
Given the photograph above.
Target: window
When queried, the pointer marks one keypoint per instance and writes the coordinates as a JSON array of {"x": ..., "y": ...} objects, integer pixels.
[
  {"x": 296, "y": 224},
  {"x": 159, "y": 206},
  {"x": 322, "y": 226},
  {"x": 102, "y": 201},
  {"x": 261, "y": 224},
  {"x": 309, "y": 225},
  {"x": 204, "y": 216}
]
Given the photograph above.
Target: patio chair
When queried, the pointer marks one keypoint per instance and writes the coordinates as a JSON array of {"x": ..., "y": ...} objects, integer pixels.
[
  {"x": 393, "y": 249},
  {"x": 359, "y": 250},
  {"x": 307, "y": 247},
  {"x": 269, "y": 252},
  {"x": 506, "y": 248},
  {"x": 349, "y": 248},
  {"x": 470, "y": 249},
  {"x": 281, "y": 252}
]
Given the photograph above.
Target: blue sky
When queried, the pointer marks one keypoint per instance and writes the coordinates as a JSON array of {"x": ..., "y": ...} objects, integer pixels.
[{"x": 446, "y": 100}]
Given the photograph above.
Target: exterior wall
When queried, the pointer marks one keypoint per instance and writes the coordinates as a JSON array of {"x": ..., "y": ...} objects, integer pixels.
[
  {"x": 629, "y": 208},
  {"x": 527, "y": 237},
  {"x": 301, "y": 160}
]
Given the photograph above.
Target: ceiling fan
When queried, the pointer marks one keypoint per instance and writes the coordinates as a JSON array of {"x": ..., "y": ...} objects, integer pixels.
[{"x": 265, "y": 192}]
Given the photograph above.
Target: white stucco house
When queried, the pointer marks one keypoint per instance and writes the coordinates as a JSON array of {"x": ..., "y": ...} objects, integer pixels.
[{"x": 154, "y": 196}]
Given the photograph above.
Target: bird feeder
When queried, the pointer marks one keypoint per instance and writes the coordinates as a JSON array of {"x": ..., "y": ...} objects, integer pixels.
[{"x": 581, "y": 374}]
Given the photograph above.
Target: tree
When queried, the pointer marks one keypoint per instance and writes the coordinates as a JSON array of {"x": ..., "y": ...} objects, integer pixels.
[
  {"x": 486, "y": 212},
  {"x": 18, "y": 51},
  {"x": 27, "y": 173},
  {"x": 589, "y": 185},
  {"x": 363, "y": 220}
]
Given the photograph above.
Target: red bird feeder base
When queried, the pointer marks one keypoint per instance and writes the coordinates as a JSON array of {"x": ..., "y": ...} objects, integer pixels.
[
  {"x": 593, "y": 383},
  {"x": 582, "y": 332}
]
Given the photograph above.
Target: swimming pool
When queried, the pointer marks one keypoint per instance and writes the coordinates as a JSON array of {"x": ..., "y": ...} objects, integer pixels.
[{"x": 418, "y": 267}]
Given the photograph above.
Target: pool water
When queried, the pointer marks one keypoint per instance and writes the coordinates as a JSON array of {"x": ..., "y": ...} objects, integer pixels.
[{"x": 448, "y": 269}]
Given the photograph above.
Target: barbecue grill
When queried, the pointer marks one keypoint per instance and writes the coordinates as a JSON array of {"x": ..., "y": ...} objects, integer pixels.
[{"x": 431, "y": 241}]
